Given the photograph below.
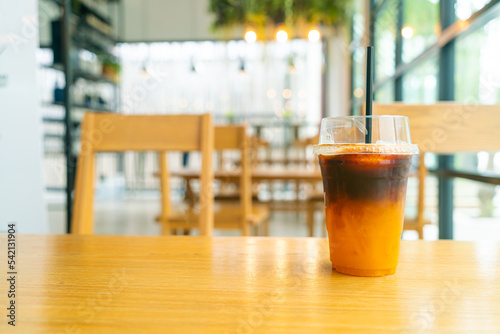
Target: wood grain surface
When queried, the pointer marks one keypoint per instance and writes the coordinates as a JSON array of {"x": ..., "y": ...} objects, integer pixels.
[
  {"x": 168, "y": 284},
  {"x": 258, "y": 175},
  {"x": 448, "y": 127},
  {"x": 107, "y": 132}
]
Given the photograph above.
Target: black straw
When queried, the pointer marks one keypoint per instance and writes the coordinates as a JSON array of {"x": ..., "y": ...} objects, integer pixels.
[{"x": 369, "y": 93}]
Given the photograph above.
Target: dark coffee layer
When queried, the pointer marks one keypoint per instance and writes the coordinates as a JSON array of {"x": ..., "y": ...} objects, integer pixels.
[{"x": 364, "y": 176}]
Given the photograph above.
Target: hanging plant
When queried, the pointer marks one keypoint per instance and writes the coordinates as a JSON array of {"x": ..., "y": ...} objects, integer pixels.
[{"x": 293, "y": 14}]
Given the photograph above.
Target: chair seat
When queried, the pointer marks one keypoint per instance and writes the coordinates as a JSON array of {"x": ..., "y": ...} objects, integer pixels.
[
  {"x": 233, "y": 196},
  {"x": 413, "y": 225},
  {"x": 292, "y": 205},
  {"x": 316, "y": 197},
  {"x": 226, "y": 216}
]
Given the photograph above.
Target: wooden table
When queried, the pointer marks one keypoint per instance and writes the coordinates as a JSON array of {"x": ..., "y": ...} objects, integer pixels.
[
  {"x": 258, "y": 175},
  {"x": 297, "y": 176},
  {"x": 126, "y": 284}
]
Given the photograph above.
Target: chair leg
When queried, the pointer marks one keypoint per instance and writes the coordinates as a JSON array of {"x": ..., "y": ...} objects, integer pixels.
[
  {"x": 324, "y": 231},
  {"x": 297, "y": 198},
  {"x": 165, "y": 228},
  {"x": 83, "y": 211},
  {"x": 265, "y": 227},
  {"x": 420, "y": 230},
  {"x": 165, "y": 193},
  {"x": 310, "y": 218},
  {"x": 246, "y": 228},
  {"x": 422, "y": 173}
]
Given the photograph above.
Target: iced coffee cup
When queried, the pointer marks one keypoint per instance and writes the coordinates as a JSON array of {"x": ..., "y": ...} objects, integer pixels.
[{"x": 365, "y": 162}]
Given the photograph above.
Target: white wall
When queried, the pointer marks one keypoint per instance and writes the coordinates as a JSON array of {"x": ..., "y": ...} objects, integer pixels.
[
  {"x": 338, "y": 76},
  {"x": 21, "y": 186},
  {"x": 148, "y": 20},
  {"x": 168, "y": 20}
]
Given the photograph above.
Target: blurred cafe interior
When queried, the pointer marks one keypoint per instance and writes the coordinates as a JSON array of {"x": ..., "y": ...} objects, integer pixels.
[
  {"x": 278, "y": 70},
  {"x": 227, "y": 166}
]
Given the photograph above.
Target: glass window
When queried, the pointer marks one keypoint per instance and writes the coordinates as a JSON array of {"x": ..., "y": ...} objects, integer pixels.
[
  {"x": 465, "y": 8},
  {"x": 385, "y": 94},
  {"x": 477, "y": 69},
  {"x": 358, "y": 78},
  {"x": 420, "y": 85},
  {"x": 420, "y": 26},
  {"x": 477, "y": 81},
  {"x": 385, "y": 41},
  {"x": 229, "y": 79},
  {"x": 358, "y": 57}
]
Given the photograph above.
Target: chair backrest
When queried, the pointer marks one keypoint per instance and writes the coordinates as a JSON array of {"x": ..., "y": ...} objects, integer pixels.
[
  {"x": 255, "y": 144},
  {"x": 449, "y": 127},
  {"x": 234, "y": 137},
  {"x": 301, "y": 146},
  {"x": 103, "y": 132}
]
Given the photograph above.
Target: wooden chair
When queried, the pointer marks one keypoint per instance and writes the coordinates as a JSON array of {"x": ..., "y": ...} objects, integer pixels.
[
  {"x": 315, "y": 199},
  {"x": 301, "y": 145},
  {"x": 119, "y": 133},
  {"x": 256, "y": 144},
  {"x": 239, "y": 214},
  {"x": 445, "y": 128}
]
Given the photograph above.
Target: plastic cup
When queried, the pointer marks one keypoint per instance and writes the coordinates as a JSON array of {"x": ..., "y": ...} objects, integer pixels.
[{"x": 365, "y": 162}]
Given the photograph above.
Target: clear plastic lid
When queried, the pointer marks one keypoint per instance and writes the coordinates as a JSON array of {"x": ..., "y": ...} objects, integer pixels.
[{"x": 365, "y": 134}]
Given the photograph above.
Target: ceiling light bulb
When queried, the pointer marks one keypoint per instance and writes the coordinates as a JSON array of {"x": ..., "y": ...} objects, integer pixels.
[
  {"x": 407, "y": 32},
  {"x": 314, "y": 35},
  {"x": 250, "y": 36},
  {"x": 281, "y": 36}
]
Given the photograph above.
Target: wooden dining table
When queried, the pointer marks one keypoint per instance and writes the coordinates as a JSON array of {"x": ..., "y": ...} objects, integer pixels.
[
  {"x": 258, "y": 175},
  {"x": 184, "y": 284}
]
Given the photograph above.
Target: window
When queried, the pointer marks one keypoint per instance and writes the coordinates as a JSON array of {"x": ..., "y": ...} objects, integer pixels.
[
  {"x": 230, "y": 79},
  {"x": 465, "y": 8},
  {"x": 420, "y": 84},
  {"x": 385, "y": 41},
  {"x": 386, "y": 93},
  {"x": 358, "y": 57},
  {"x": 476, "y": 81},
  {"x": 420, "y": 26},
  {"x": 477, "y": 72}
]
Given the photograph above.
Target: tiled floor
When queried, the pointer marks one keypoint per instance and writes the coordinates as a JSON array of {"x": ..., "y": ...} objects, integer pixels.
[{"x": 135, "y": 215}]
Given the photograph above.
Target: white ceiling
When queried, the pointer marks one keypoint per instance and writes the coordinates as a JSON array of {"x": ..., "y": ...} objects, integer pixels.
[
  {"x": 166, "y": 20},
  {"x": 149, "y": 20}
]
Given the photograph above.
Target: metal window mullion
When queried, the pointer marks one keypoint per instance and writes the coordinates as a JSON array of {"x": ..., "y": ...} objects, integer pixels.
[
  {"x": 446, "y": 93},
  {"x": 451, "y": 33},
  {"x": 398, "y": 83},
  {"x": 68, "y": 134}
]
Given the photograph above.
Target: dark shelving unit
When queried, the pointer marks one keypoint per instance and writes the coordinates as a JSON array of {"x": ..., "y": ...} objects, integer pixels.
[
  {"x": 77, "y": 106},
  {"x": 93, "y": 77},
  {"x": 77, "y": 74},
  {"x": 82, "y": 27}
]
